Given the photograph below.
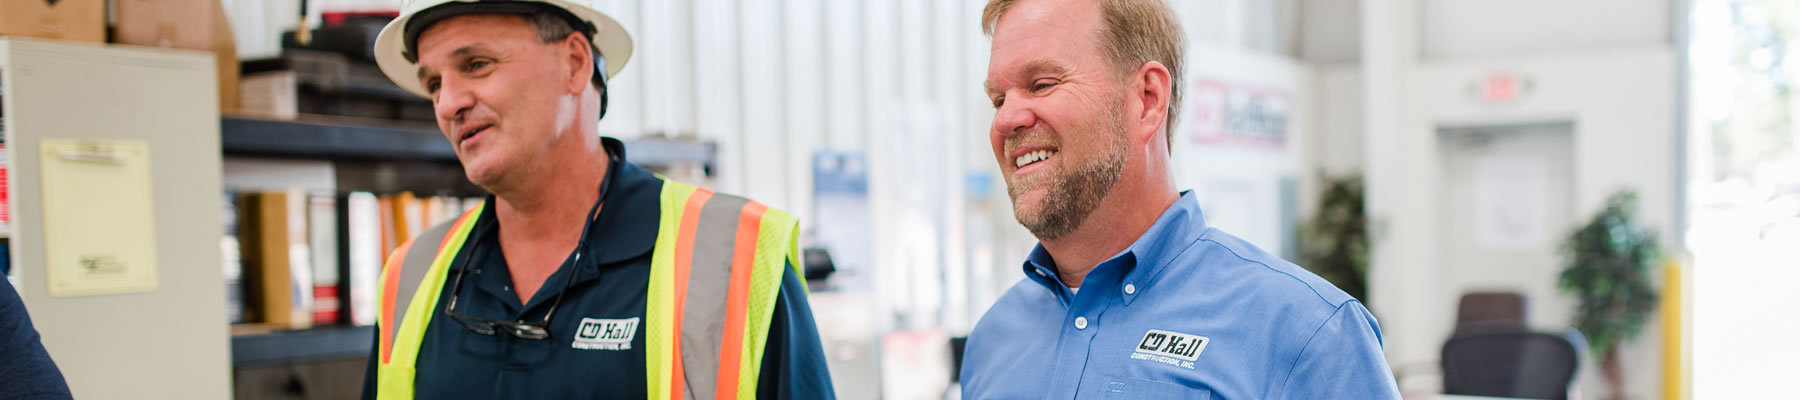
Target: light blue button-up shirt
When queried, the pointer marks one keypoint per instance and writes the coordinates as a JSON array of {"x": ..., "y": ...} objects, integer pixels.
[{"x": 1187, "y": 312}]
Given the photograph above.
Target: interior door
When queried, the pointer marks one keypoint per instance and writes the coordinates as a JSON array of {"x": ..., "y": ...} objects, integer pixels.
[{"x": 1506, "y": 201}]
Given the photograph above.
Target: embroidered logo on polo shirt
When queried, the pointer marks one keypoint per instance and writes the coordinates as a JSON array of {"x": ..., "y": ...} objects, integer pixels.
[
  {"x": 605, "y": 334},
  {"x": 1177, "y": 349}
]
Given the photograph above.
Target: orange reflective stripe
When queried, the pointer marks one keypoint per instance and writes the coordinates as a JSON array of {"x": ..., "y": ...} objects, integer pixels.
[
  {"x": 392, "y": 274},
  {"x": 444, "y": 246},
  {"x": 390, "y": 285},
  {"x": 684, "y": 250},
  {"x": 731, "y": 347}
]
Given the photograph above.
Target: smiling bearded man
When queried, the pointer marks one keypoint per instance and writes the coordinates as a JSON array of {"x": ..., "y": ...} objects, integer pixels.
[{"x": 1129, "y": 293}]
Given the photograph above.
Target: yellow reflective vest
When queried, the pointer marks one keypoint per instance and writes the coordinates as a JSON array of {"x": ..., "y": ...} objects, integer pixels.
[{"x": 715, "y": 275}]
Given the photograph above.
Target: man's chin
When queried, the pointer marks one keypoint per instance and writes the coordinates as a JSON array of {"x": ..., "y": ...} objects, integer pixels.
[
  {"x": 481, "y": 173},
  {"x": 1027, "y": 194},
  {"x": 1026, "y": 205},
  {"x": 1041, "y": 227},
  {"x": 1029, "y": 210}
]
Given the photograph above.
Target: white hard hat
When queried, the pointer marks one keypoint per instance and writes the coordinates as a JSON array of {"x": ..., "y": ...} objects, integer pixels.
[{"x": 395, "y": 48}]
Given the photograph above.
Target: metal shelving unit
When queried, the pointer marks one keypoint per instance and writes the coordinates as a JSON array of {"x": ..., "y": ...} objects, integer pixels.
[
  {"x": 301, "y": 345},
  {"x": 342, "y": 138},
  {"x": 331, "y": 138}
]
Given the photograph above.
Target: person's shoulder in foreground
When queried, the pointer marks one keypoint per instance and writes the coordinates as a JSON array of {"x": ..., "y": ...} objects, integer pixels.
[
  {"x": 26, "y": 371},
  {"x": 1201, "y": 313}
]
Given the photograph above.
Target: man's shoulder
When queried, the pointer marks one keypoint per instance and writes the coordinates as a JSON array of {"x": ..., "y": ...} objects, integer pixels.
[
  {"x": 433, "y": 236},
  {"x": 1220, "y": 260},
  {"x": 723, "y": 197},
  {"x": 1016, "y": 309},
  {"x": 1001, "y": 336}
]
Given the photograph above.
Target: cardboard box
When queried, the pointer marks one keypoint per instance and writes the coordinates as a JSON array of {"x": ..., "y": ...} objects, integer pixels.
[
  {"x": 270, "y": 94},
  {"x": 224, "y": 48},
  {"x": 181, "y": 24},
  {"x": 76, "y": 20}
]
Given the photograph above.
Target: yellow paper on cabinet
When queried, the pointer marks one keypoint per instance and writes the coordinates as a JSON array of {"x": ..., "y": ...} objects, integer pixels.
[{"x": 99, "y": 234}]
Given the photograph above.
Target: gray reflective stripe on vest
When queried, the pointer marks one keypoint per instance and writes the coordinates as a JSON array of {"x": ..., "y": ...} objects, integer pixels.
[
  {"x": 412, "y": 270},
  {"x": 709, "y": 280}
]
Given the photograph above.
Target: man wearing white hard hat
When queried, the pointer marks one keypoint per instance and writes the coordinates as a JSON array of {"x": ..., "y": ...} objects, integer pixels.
[{"x": 582, "y": 275}]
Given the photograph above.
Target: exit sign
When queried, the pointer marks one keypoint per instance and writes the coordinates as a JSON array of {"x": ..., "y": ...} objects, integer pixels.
[{"x": 1501, "y": 87}]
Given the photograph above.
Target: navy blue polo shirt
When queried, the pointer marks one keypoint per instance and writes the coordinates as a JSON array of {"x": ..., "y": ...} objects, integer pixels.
[
  {"x": 26, "y": 371},
  {"x": 610, "y": 285}
]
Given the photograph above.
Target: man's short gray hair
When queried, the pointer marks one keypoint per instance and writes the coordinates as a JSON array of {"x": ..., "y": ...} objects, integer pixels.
[{"x": 550, "y": 28}]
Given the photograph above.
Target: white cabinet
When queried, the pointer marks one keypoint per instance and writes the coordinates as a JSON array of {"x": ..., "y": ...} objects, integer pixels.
[{"x": 168, "y": 343}]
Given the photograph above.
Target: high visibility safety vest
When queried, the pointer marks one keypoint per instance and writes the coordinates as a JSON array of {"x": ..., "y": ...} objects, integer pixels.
[{"x": 714, "y": 278}]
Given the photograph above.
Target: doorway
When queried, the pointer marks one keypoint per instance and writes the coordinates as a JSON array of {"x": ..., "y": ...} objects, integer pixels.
[{"x": 1506, "y": 200}]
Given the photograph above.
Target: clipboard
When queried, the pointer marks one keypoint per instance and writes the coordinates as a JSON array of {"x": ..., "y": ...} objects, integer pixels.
[{"x": 99, "y": 226}]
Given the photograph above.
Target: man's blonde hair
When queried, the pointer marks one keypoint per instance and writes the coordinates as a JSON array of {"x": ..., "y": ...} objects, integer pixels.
[{"x": 1136, "y": 32}]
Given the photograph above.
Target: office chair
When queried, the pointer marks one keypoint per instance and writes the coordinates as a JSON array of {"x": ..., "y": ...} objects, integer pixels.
[
  {"x": 1510, "y": 362},
  {"x": 1490, "y": 309}
]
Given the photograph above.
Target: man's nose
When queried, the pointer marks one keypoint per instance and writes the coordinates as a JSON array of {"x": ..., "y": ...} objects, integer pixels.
[
  {"x": 453, "y": 99},
  {"x": 1013, "y": 117}
]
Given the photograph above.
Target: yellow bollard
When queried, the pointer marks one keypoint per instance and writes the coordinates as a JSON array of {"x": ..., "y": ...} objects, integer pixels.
[{"x": 1675, "y": 368}]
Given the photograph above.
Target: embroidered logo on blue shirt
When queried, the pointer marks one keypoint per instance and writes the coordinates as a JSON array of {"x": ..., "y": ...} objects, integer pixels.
[
  {"x": 605, "y": 334},
  {"x": 1178, "y": 349}
]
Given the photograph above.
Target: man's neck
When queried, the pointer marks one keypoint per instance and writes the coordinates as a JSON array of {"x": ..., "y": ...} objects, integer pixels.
[
  {"x": 545, "y": 210},
  {"x": 1122, "y": 217}
]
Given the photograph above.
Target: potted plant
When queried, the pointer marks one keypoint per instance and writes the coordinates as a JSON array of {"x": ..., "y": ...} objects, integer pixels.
[
  {"x": 1335, "y": 243},
  {"x": 1607, "y": 267}
]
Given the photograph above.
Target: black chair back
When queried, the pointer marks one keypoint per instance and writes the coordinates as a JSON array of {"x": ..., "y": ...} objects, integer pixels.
[
  {"x": 1491, "y": 309},
  {"x": 1510, "y": 363}
]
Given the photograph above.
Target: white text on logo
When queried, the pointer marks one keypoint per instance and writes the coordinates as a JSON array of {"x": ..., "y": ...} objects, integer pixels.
[
  {"x": 1170, "y": 348},
  {"x": 605, "y": 334}
]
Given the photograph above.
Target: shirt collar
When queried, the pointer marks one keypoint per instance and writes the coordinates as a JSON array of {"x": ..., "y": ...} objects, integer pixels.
[
  {"x": 630, "y": 219},
  {"x": 1178, "y": 227}
]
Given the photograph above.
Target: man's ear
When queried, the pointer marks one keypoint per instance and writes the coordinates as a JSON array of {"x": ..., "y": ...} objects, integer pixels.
[
  {"x": 1152, "y": 85},
  {"x": 578, "y": 55}
]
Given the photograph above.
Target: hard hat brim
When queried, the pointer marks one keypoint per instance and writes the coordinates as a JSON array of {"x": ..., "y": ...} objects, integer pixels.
[{"x": 609, "y": 39}]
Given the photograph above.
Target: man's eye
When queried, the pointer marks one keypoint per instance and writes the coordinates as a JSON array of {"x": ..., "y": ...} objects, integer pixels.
[
  {"x": 433, "y": 86},
  {"x": 999, "y": 101},
  {"x": 477, "y": 65},
  {"x": 1040, "y": 86}
]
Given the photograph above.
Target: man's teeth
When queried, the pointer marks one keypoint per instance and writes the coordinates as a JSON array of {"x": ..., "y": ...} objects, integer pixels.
[{"x": 1032, "y": 157}]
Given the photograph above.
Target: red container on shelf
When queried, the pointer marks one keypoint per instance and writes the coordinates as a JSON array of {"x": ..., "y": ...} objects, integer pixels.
[
  {"x": 5, "y": 203},
  {"x": 335, "y": 18}
]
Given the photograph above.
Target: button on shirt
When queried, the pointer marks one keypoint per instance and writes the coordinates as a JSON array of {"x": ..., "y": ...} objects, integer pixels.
[
  {"x": 609, "y": 290},
  {"x": 1187, "y": 312}
]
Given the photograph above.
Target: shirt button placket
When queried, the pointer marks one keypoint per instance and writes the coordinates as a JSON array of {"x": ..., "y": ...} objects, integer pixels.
[{"x": 1077, "y": 354}]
